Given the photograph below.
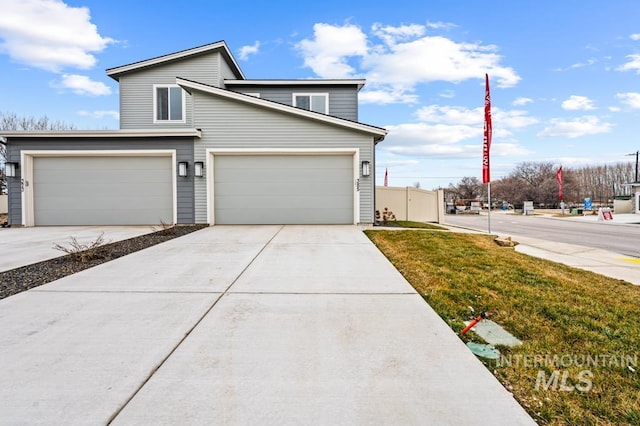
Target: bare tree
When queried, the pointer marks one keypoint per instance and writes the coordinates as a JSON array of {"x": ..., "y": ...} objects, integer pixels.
[
  {"x": 469, "y": 188},
  {"x": 537, "y": 182},
  {"x": 529, "y": 182},
  {"x": 12, "y": 122}
]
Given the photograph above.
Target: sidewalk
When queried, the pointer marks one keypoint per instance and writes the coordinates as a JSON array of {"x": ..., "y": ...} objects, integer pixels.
[
  {"x": 618, "y": 219},
  {"x": 603, "y": 262}
]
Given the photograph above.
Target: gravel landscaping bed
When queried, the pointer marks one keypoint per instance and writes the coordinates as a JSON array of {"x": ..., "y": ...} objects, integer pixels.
[{"x": 24, "y": 278}]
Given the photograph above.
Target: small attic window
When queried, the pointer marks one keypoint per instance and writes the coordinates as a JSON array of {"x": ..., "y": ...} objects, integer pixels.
[
  {"x": 168, "y": 103},
  {"x": 318, "y": 102}
]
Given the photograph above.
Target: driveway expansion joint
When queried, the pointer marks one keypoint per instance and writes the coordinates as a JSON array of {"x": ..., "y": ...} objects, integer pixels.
[{"x": 188, "y": 333}]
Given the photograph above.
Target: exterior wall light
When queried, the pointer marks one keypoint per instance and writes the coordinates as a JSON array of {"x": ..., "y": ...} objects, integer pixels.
[
  {"x": 10, "y": 169},
  {"x": 366, "y": 168},
  {"x": 198, "y": 168},
  {"x": 182, "y": 168}
]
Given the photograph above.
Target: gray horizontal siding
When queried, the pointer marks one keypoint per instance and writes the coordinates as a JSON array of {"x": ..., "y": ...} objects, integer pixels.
[
  {"x": 343, "y": 101},
  {"x": 230, "y": 124},
  {"x": 184, "y": 152},
  {"x": 136, "y": 89},
  {"x": 225, "y": 71}
]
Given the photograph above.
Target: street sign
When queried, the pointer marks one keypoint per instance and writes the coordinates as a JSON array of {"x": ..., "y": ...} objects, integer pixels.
[{"x": 605, "y": 214}]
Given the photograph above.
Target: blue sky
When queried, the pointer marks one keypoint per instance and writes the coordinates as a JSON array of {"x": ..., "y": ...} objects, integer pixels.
[{"x": 565, "y": 75}]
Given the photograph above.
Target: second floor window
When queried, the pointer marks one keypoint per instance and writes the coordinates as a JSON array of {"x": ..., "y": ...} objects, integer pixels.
[
  {"x": 168, "y": 103},
  {"x": 318, "y": 102}
]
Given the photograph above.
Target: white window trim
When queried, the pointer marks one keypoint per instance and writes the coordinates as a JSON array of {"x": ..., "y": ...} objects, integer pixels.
[
  {"x": 155, "y": 104},
  {"x": 326, "y": 99},
  {"x": 254, "y": 94}
]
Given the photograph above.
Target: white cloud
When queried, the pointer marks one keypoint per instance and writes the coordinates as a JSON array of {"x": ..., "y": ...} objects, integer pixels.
[
  {"x": 581, "y": 126},
  {"x": 100, "y": 114},
  {"x": 442, "y": 131},
  {"x": 411, "y": 134},
  {"x": 451, "y": 115},
  {"x": 457, "y": 150},
  {"x": 245, "y": 51},
  {"x": 436, "y": 58},
  {"x": 49, "y": 34},
  {"x": 447, "y": 94},
  {"x": 436, "y": 150},
  {"x": 501, "y": 119},
  {"x": 440, "y": 25},
  {"x": 589, "y": 62},
  {"x": 631, "y": 99},
  {"x": 392, "y": 35},
  {"x": 512, "y": 119},
  {"x": 614, "y": 109},
  {"x": 575, "y": 103},
  {"x": 635, "y": 36},
  {"x": 508, "y": 149},
  {"x": 522, "y": 101},
  {"x": 633, "y": 64},
  {"x": 82, "y": 85},
  {"x": 388, "y": 96},
  {"x": 395, "y": 59},
  {"x": 330, "y": 48}
]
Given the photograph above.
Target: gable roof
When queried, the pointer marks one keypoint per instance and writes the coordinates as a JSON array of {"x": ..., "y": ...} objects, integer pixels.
[
  {"x": 221, "y": 46},
  {"x": 378, "y": 132},
  {"x": 297, "y": 82}
]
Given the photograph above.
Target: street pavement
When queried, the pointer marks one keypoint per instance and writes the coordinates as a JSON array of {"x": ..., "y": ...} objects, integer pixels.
[{"x": 604, "y": 262}]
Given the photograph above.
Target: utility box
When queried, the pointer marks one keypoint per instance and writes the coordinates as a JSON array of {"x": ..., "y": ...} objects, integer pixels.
[{"x": 527, "y": 208}]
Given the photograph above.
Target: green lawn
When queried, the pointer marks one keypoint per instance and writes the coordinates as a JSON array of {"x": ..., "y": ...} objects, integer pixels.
[
  {"x": 567, "y": 318},
  {"x": 420, "y": 225}
]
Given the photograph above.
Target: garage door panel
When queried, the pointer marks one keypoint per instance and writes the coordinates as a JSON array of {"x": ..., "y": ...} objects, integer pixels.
[
  {"x": 285, "y": 202},
  {"x": 278, "y": 216},
  {"x": 122, "y": 177},
  {"x": 102, "y": 217},
  {"x": 276, "y": 175},
  {"x": 113, "y": 203},
  {"x": 283, "y": 189},
  {"x": 239, "y": 162},
  {"x": 56, "y": 190},
  {"x": 103, "y": 190}
]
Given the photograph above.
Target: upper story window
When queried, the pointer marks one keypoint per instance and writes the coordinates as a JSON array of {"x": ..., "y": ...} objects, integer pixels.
[
  {"x": 168, "y": 103},
  {"x": 318, "y": 102}
]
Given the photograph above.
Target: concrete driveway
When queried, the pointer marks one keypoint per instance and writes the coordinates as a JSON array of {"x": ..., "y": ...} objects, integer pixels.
[
  {"x": 241, "y": 325},
  {"x": 24, "y": 246}
]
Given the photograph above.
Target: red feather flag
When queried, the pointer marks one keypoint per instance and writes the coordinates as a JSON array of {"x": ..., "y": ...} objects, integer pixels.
[
  {"x": 486, "y": 145},
  {"x": 560, "y": 185}
]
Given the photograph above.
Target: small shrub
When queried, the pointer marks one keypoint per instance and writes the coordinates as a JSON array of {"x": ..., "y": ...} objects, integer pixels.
[
  {"x": 82, "y": 252},
  {"x": 386, "y": 216},
  {"x": 166, "y": 228}
]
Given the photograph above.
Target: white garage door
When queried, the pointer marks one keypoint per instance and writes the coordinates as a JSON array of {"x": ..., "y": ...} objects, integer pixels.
[
  {"x": 102, "y": 190},
  {"x": 283, "y": 189}
]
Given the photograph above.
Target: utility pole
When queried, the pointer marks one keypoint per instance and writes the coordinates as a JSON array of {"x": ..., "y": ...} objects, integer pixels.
[{"x": 637, "y": 154}]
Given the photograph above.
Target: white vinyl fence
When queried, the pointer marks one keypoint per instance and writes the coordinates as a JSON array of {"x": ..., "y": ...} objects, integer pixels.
[
  {"x": 410, "y": 203},
  {"x": 4, "y": 204}
]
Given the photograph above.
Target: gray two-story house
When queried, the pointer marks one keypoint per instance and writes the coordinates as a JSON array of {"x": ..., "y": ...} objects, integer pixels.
[{"x": 200, "y": 143}]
